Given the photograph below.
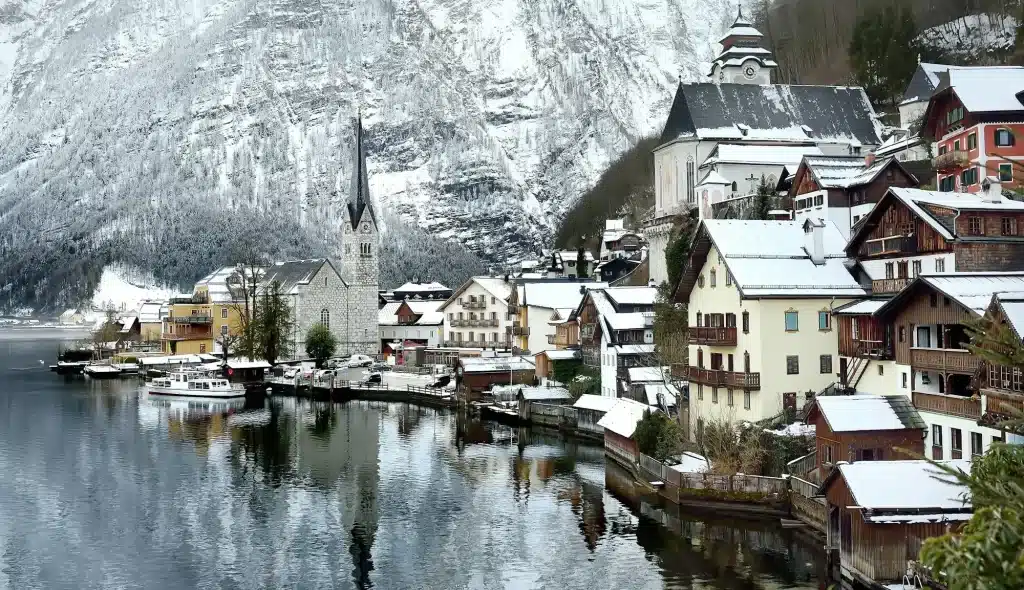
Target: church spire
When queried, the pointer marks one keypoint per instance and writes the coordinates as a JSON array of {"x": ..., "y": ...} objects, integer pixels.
[{"x": 359, "y": 200}]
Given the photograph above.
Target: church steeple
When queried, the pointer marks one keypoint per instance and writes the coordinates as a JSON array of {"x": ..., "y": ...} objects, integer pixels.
[
  {"x": 743, "y": 60},
  {"x": 359, "y": 200}
]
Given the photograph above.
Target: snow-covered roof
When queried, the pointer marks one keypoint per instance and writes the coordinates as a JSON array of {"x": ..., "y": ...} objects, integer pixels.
[
  {"x": 854, "y": 413},
  {"x": 560, "y": 315},
  {"x": 692, "y": 463},
  {"x": 895, "y": 145},
  {"x": 431, "y": 287},
  {"x": 769, "y": 258},
  {"x": 426, "y": 309},
  {"x": 729, "y": 153},
  {"x": 293, "y": 274},
  {"x": 69, "y": 313},
  {"x": 974, "y": 290},
  {"x": 897, "y": 485},
  {"x": 843, "y": 172},
  {"x": 865, "y": 307},
  {"x": 216, "y": 284},
  {"x": 988, "y": 89},
  {"x": 634, "y": 349},
  {"x": 918, "y": 201},
  {"x": 740, "y": 30},
  {"x": 244, "y": 363},
  {"x": 150, "y": 312},
  {"x": 774, "y": 112},
  {"x": 924, "y": 82},
  {"x": 600, "y": 403},
  {"x": 632, "y": 295},
  {"x": 536, "y": 394},
  {"x": 647, "y": 374},
  {"x": 1012, "y": 307},
  {"x": 623, "y": 417},
  {"x": 181, "y": 359},
  {"x": 613, "y": 319},
  {"x": 714, "y": 177},
  {"x": 128, "y": 323},
  {"x": 496, "y": 364},
  {"x": 561, "y": 355},
  {"x": 555, "y": 295}
]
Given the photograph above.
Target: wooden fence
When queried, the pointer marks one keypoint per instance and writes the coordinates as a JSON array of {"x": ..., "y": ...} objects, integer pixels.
[
  {"x": 802, "y": 465},
  {"x": 802, "y": 487},
  {"x": 753, "y": 488}
]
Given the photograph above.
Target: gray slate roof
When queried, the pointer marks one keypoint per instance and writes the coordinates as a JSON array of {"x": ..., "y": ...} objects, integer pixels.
[
  {"x": 924, "y": 82},
  {"x": 772, "y": 112},
  {"x": 359, "y": 200},
  {"x": 292, "y": 273}
]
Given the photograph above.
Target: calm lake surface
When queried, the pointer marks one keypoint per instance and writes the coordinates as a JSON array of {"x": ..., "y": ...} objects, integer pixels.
[{"x": 102, "y": 486}]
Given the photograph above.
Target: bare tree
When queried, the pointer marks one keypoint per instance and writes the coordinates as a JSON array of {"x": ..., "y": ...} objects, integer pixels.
[{"x": 243, "y": 285}]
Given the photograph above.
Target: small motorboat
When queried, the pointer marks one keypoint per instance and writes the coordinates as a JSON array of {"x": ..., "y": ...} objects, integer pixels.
[
  {"x": 69, "y": 367},
  {"x": 98, "y": 371},
  {"x": 127, "y": 368},
  {"x": 194, "y": 384}
]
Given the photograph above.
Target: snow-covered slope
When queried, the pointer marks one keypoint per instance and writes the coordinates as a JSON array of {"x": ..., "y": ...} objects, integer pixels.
[
  {"x": 970, "y": 38},
  {"x": 133, "y": 127},
  {"x": 123, "y": 289}
]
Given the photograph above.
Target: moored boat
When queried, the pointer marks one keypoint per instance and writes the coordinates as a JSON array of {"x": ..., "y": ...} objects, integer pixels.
[
  {"x": 69, "y": 368},
  {"x": 194, "y": 384}
]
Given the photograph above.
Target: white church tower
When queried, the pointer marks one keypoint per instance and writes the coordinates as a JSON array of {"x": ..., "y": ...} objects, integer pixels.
[
  {"x": 361, "y": 261},
  {"x": 743, "y": 60}
]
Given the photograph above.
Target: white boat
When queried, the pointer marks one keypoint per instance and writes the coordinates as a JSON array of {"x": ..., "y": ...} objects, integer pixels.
[
  {"x": 97, "y": 371},
  {"x": 194, "y": 384}
]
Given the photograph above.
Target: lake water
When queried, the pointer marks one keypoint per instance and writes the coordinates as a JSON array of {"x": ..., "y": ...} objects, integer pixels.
[{"x": 103, "y": 487}]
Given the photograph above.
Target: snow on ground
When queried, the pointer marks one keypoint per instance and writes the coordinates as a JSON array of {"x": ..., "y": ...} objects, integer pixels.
[
  {"x": 794, "y": 429},
  {"x": 125, "y": 289},
  {"x": 968, "y": 36}
]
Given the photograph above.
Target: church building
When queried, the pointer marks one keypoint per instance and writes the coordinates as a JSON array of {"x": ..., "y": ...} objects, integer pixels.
[{"x": 722, "y": 136}]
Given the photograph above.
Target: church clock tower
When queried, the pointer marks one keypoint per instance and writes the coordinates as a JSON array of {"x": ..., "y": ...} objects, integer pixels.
[
  {"x": 360, "y": 263},
  {"x": 743, "y": 60}
]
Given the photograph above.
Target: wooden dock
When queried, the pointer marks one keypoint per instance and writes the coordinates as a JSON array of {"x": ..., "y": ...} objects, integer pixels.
[{"x": 338, "y": 389}]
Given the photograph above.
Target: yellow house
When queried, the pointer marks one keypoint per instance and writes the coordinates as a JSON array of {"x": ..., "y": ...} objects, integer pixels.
[{"x": 195, "y": 322}]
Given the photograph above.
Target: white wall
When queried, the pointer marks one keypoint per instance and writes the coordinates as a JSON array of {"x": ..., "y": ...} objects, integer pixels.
[
  {"x": 966, "y": 427},
  {"x": 886, "y": 383},
  {"x": 493, "y": 304},
  {"x": 432, "y": 334},
  {"x": 911, "y": 112},
  {"x": 609, "y": 362},
  {"x": 658, "y": 240},
  {"x": 540, "y": 329}
]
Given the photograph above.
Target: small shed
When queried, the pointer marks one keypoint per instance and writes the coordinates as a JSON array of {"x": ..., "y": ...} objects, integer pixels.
[
  {"x": 475, "y": 375},
  {"x": 880, "y": 512},
  {"x": 619, "y": 425},
  {"x": 864, "y": 428},
  {"x": 550, "y": 363},
  {"x": 531, "y": 397},
  {"x": 249, "y": 373},
  {"x": 589, "y": 411}
]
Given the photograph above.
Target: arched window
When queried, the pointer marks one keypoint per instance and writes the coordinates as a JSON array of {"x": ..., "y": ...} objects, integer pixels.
[
  {"x": 325, "y": 317},
  {"x": 735, "y": 187}
]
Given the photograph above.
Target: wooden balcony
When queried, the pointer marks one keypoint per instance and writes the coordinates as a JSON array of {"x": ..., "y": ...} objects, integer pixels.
[
  {"x": 719, "y": 378},
  {"x": 881, "y": 286},
  {"x": 187, "y": 335},
  {"x": 713, "y": 336},
  {"x": 956, "y": 360},
  {"x": 951, "y": 405},
  {"x": 952, "y": 161},
  {"x": 478, "y": 304},
  {"x": 873, "y": 349},
  {"x": 191, "y": 319}
]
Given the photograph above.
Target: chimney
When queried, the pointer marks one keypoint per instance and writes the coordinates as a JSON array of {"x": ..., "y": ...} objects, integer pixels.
[
  {"x": 991, "y": 191},
  {"x": 814, "y": 240},
  {"x": 869, "y": 159}
]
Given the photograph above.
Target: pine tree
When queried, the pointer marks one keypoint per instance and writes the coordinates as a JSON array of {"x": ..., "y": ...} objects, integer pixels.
[
  {"x": 883, "y": 53},
  {"x": 763, "y": 200}
]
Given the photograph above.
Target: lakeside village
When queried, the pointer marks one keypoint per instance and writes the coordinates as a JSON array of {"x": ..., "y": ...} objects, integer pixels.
[{"x": 805, "y": 353}]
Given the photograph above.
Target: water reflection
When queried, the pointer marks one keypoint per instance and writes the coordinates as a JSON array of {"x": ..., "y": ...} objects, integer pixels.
[{"x": 119, "y": 489}]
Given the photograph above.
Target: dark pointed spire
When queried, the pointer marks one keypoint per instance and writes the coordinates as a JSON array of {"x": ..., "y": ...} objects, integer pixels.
[
  {"x": 739, "y": 16},
  {"x": 359, "y": 200}
]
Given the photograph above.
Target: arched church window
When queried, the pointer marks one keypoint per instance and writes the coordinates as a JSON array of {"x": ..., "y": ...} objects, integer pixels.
[{"x": 325, "y": 317}]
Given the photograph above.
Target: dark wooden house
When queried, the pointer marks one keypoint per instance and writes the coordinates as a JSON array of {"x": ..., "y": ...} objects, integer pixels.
[
  {"x": 1002, "y": 387},
  {"x": 912, "y": 232},
  {"x": 474, "y": 375},
  {"x": 863, "y": 339},
  {"x": 864, "y": 428},
  {"x": 880, "y": 512}
]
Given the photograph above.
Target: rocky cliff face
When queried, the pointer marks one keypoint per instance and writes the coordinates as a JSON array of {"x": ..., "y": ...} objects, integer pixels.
[{"x": 156, "y": 132}]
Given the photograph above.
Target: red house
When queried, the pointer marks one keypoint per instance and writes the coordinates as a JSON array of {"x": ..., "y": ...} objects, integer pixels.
[{"x": 975, "y": 116}]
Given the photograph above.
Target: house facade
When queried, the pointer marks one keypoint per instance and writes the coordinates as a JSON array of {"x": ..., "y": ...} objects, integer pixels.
[
  {"x": 929, "y": 319},
  {"x": 477, "y": 315},
  {"x": 760, "y": 297},
  {"x": 912, "y": 232},
  {"x": 843, "y": 189},
  {"x": 410, "y": 323},
  {"x": 617, "y": 333},
  {"x": 867, "y": 357},
  {"x": 195, "y": 321},
  {"x": 1002, "y": 387},
  {"x": 540, "y": 307},
  {"x": 975, "y": 116}
]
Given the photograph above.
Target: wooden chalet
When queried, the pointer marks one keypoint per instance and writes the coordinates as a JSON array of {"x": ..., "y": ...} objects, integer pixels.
[
  {"x": 863, "y": 339},
  {"x": 864, "y": 428},
  {"x": 1002, "y": 387},
  {"x": 912, "y": 232},
  {"x": 880, "y": 513}
]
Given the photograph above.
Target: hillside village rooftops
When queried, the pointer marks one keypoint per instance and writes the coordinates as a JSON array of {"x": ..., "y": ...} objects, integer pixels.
[
  {"x": 853, "y": 413},
  {"x": 903, "y": 485},
  {"x": 623, "y": 417},
  {"x": 775, "y": 112},
  {"x": 555, "y": 295}
]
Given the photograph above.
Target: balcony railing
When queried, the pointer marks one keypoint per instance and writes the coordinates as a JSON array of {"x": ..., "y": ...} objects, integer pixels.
[
  {"x": 1004, "y": 407},
  {"x": 191, "y": 319},
  {"x": 873, "y": 349},
  {"x": 479, "y": 304},
  {"x": 719, "y": 378},
  {"x": 881, "y": 286},
  {"x": 713, "y": 336},
  {"x": 188, "y": 335},
  {"x": 951, "y": 405},
  {"x": 952, "y": 160},
  {"x": 520, "y": 330},
  {"x": 944, "y": 359},
  {"x": 552, "y": 339}
]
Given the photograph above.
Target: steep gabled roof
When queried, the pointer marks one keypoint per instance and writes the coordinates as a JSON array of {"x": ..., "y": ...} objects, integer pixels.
[
  {"x": 295, "y": 273},
  {"x": 498, "y": 288},
  {"x": 1011, "y": 306},
  {"x": 972, "y": 291},
  {"x": 772, "y": 113},
  {"x": 924, "y": 82},
  {"x": 846, "y": 172}
]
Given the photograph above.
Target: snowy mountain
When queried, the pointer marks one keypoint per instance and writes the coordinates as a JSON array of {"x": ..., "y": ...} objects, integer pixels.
[{"x": 156, "y": 133}]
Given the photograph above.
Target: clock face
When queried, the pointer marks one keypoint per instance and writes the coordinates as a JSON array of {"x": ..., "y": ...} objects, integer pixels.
[{"x": 749, "y": 71}]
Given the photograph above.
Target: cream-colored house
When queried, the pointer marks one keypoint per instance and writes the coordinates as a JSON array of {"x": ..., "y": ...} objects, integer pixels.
[
  {"x": 760, "y": 296},
  {"x": 477, "y": 314}
]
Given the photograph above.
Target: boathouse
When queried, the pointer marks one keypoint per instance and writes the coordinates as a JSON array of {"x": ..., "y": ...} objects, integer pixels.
[
  {"x": 619, "y": 425},
  {"x": 880, "y": 512},
  {"x": 474, "y": 375},
  {"x": 542, "y": 404}
]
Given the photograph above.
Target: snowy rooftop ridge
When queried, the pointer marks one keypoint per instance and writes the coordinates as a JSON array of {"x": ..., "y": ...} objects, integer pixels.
[
  {"x": 856, "y": 413},
  {"x": 904, "y": 485},
  {"x": 623, "y": 417}
]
